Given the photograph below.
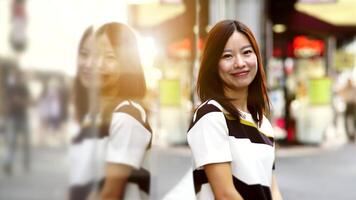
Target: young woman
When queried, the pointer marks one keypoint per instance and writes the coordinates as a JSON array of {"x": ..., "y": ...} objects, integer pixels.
[
  {"x": 230, "y": 137},
  {"x": 115, "y": 134}
]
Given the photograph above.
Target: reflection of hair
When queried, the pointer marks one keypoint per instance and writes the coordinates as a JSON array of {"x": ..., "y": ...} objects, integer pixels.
[
  {"x": 131, "y": 82},
  {"x": 81, "y": 103},
  {"x": 210, "y": 85}
]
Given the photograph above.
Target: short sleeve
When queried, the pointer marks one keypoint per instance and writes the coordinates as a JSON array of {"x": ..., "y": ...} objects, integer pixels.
[
  {"x": 128, "y": 140},
  {"x": 209, "y": 141}
]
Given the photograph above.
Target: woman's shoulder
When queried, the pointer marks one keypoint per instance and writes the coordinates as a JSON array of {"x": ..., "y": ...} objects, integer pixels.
[
  {"x": 132, "y": 108},
  {"x": 207, "y": 107},
  {"x": 210, "y": 105},
  {"x": 266, "y": 127}
]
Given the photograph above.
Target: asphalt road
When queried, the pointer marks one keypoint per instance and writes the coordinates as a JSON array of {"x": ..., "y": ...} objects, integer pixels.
[{"x": 304, "y": 173}]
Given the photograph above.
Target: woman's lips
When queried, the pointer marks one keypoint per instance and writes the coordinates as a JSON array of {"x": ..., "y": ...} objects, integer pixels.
[{"x": 239, "y": 74}]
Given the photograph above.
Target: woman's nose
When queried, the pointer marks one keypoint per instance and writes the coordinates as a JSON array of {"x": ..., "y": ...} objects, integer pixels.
[
  {"x": 95, "y": 62},
  {"x": 89, "y": 62},
  {"x": 239, "y": 62}
]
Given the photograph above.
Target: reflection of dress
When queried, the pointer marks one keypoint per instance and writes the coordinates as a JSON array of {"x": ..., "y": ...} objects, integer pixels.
[
  {"x": 216, "y": 137},
  {"x": 127, "y": 143}
]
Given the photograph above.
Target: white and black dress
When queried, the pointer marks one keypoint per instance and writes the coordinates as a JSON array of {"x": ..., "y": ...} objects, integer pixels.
[
  {"x": 128, "y": 142},
  {"x": 216, "y": 137}
]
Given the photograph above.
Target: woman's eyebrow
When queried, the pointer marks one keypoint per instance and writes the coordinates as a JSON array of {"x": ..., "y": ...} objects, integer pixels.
[
  {"x": 227, "y": 50},
  {"x": 109, "y": 51},
  {"x": 246, "y": 47}
]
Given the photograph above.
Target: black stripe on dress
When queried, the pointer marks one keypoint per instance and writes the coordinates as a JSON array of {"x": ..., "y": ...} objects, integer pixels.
[
  {"x": 203, "y": 110},
  {"x": 252, "y": 192},
  {"x": 142, "y": 178},
  {"x": 240, "y": 130},
  {"x": 248, "y": 192},
  {"x": 135, "y": 113}
]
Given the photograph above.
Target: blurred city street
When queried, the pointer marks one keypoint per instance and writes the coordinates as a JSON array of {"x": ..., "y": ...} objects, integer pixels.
[
  {"x": 310, "y": 173},
  {"x": 46, "y": 179},
  {"x": 59, "y": 87},
  {"x": 303, "y": 172}
]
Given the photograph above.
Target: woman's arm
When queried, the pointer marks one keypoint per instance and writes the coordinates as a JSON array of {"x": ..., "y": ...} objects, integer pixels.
[
  {"x": 220, "y": 178},
  {"x": 276, "y": 194},
  {"x": 116, "y": 176}
]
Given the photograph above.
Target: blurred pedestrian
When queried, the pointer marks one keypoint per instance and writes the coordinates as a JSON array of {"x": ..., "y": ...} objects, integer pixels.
[
  {"x": 50, "y": 109},
  {"x": 348, "y": 94},
  {"x": 230, "y": 137},
  {"x": 115, "y": 135},
  {"x": 17, "y": 126}
]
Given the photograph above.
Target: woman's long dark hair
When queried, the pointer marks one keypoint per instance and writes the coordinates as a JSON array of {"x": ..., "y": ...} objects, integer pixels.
[
  {"x": 211, "y": 86},
  {"x": 130, "y": 82},
  {"x": 81, "y": 103}
]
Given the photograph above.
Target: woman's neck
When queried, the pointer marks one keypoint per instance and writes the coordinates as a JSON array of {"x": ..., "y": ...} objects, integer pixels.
[
  {"x": 98, "y": 102},
  {"x": 239, "y": 98},
  {"x": 108, "y": 102},
  {"x": 94, "y": 105},
  {"x": 107, "y": 93}
]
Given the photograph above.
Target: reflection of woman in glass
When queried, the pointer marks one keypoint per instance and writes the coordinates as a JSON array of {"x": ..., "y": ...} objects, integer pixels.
[
  {"x": 122, "y": 89},
  {"x": 115, "y": 87},
  {"x": 230, "y": 137},
  {"x": 82, "y": 174}
]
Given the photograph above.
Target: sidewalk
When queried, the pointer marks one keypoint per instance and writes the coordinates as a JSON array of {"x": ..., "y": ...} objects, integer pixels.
[
  {"x": 47, "y": 178},
  {"x": 303, "y": 150}
]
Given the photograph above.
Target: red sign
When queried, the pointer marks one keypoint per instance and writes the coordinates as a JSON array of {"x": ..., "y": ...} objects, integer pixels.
[{"x": 306, "y": 47}]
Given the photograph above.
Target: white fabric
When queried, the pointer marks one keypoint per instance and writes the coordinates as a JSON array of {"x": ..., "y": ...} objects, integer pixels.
[
  {"x": 128, "y": 140},
  {"x": 87, "y": 161},
  {"x": 209, "y": 140},
  {"x": 252, "y": 162},
  {"x": 127, "y": 143}
]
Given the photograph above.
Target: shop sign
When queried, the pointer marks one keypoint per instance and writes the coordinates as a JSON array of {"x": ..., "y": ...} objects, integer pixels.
[
  {"x": 183, "y": 48},
  {"x": 305, "y": 47},
  {"x": 170, "y": 92},
  {"x": 319, "y": 91},
  {"x": 343, "y": 60},
  {"x": 316, "y": 1}
]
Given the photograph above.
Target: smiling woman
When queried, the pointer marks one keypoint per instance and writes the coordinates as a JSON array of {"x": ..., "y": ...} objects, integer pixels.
[{"x": 230, "y": 137}]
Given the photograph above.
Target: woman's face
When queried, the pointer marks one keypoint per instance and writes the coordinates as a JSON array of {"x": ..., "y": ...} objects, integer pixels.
[
  {"x": 85, "y": 61},
  {"x": 106, "y": 63},
  {"x": 238, "y": 63}
]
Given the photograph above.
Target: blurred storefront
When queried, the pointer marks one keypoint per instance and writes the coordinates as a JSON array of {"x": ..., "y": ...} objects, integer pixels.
[
  {"x": 303, "y": 70},
  {"x": 298, "y": 48},
  {"x": 307, "y": 59},
  {"x": 170, "y": 25},
  {"x": 178, "y": 32}
]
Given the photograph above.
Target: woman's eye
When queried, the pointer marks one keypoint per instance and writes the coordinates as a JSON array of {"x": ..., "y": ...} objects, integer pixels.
[
  {"x": 226, "y": 56},
  {"x": 84, "y": 53},
  {"x": 247, "y": 52},
  {"x": 110, "y": 57}
]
